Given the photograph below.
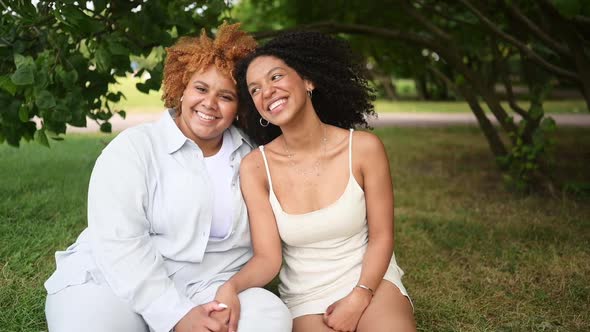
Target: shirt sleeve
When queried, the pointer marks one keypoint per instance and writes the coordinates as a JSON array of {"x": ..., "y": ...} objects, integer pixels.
[{"x": 120, "y": 236}]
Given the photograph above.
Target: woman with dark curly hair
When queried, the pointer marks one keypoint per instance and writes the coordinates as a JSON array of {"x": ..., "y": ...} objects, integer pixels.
[
  {"x": 320, "y": 187},
  {"x": 168, "y": 243}
]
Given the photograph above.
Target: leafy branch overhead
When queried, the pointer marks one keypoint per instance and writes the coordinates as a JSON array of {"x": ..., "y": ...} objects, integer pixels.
[{"x": 57, "y": 58}]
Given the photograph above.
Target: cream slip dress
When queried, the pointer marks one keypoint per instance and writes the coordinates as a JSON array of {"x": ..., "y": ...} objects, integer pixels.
[{"x": 323, "y": 249}]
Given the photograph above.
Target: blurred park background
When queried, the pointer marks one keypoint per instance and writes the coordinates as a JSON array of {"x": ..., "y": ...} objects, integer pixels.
[{"x": 492, "y": 219}]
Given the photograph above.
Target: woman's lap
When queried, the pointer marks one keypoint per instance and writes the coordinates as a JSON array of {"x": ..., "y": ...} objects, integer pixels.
[
  {"x": 90, "y": 307},
  {"x": 93, "y": 307},
  {"x": 389, "y": 310}
]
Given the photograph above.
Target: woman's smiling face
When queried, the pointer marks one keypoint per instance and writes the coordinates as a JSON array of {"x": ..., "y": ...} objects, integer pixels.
[
  {"x": 277, "y": 90},
  {"x": 209, "y": 106}
]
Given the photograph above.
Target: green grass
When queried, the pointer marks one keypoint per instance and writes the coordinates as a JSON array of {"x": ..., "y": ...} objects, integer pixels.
[
  {"x": 476, "y": 257},
  {"x": 42, "y": 209}
]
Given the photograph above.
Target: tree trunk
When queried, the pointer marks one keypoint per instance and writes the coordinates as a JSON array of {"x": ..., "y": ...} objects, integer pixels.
[
  {"x": 451, "y": 54},
  {"x": 388, "y": 86},
  {"x": 422, "y": 88},
  {"x": 494, "y": 142}
]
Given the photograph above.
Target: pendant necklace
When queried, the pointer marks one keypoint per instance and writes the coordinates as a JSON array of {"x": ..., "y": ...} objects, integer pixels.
[{"x": 315, "y": 168}]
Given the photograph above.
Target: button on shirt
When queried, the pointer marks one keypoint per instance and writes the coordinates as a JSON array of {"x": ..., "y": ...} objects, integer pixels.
[{"x": 149, "y": 219}]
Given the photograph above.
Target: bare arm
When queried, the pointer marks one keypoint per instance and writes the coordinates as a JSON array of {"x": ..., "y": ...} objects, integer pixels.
[
  {"x": 379, "y": 201},
  {"x": 370, "y": 159},
  {"x": 267, "y": 259}
]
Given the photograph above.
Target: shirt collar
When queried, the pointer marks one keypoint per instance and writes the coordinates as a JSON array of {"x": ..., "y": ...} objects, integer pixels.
[
  {"x": 238, "y": 138},
  {"x": 174, "y": 139}
]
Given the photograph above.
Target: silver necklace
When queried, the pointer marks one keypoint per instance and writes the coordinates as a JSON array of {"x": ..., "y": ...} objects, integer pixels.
[{"x": 316, "y": 167}]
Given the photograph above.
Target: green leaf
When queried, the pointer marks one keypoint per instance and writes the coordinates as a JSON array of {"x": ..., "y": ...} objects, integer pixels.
[
  {"x": 23, "y": 76},
  {"x": 45, "y": 100},
  {"x": 21, "y": 60},
  {"x": 568, "y": 8},
  {"x": 142, "y": 87},
  {"x": 548, "y": 124},
  {"x": 103, "y": 59},
  {"x": 106, "y": 127},
  {"x": 70, "y": 78},
  {"x": 117, "y": 48},
  {"x": 99, "y": 5},
  {"x": 41, "y": 78},
  {"x": 114, "y": 97},
  {"x": 122, "y": 114},
  {"x": 7, "y": 84},
  {"x": 536, "y": 111},
  {"x": 41, "y": 137},
  {"x": 23, "y": 114}
]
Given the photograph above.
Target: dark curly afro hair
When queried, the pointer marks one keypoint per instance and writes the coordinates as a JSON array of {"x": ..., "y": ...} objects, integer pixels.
[{"x": 342, "y": 96}]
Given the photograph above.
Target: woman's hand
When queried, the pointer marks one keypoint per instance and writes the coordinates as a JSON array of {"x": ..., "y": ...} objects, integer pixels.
[
  {"x": 227, "y": 294},
  {"x": 344, "y": 314},
  {"x": 198, "y": 320}
]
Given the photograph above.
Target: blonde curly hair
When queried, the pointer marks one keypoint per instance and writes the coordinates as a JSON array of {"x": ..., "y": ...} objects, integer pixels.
[{"x": 192, "y": 54}]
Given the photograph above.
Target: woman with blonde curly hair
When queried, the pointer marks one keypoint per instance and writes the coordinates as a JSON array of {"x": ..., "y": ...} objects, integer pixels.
[{"x": 168, "y": 244}]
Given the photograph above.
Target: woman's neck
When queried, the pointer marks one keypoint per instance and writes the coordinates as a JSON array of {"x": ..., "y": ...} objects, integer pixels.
[
  {"x": 210, "y": 147},
  {"x": 305, "y": 134}
]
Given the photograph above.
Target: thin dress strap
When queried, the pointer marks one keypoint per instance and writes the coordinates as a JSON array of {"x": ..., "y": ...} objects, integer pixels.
[
  {"x": 350, "y": 151},
  {"x": 266, "y": 166}
]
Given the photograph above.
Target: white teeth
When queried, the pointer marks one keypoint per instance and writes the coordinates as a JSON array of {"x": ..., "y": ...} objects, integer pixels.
[
  {"x": 205, "y": 116},
  {"x": 277, "y": 104}
]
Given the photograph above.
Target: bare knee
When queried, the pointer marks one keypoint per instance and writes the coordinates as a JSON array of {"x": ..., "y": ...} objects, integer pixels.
[{"x": 393, "y": 323}]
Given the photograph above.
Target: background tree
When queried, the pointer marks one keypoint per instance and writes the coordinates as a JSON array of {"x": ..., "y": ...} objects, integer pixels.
[
  {"x": 469, "y": 47},
  {"x": 57, "y": 58}
]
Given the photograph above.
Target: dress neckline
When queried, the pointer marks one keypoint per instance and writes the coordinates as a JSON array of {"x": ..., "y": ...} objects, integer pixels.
[{"x": 352, "y": 182}]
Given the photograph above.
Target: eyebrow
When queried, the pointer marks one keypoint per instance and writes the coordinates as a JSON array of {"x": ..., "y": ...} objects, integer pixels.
[
  {"x": 222, "y": 90},
  {"x": 268, "y": 72}
]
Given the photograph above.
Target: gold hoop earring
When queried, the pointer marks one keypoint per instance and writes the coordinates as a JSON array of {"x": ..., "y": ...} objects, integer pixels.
[{"x": 310, "y": 93}]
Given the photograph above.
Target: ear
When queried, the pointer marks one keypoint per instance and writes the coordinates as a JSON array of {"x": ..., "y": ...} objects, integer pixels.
[{"x": 309, "y": 85}]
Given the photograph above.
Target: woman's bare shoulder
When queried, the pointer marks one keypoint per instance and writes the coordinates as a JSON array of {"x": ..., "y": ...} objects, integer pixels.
[{"x": 367, "y": 142}]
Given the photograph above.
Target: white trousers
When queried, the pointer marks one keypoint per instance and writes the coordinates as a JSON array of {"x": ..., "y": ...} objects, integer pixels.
[{"x": 92, "y": 307}]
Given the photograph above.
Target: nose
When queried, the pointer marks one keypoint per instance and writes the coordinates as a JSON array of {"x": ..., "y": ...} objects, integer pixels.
[
  {"x": 268, "y": 91},
  {"x": 209, "y": 102}
]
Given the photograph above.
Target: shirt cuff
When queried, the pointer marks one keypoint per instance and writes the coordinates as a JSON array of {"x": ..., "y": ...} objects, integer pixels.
[{"x": 165, "y": 312}]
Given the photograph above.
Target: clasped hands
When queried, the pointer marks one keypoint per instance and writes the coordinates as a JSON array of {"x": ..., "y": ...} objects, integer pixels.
[{"x": 220, "y": 315}]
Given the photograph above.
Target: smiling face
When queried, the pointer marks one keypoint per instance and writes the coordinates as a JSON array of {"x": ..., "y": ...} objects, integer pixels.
[
  {"x": 209, "y": 105},
  {"x": 278, "y": 92}
]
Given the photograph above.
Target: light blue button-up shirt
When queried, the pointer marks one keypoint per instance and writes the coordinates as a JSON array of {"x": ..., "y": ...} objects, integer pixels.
[{"x": 149, "y": 217}]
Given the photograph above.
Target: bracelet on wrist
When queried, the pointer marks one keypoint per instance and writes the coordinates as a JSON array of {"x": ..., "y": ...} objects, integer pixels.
[{"x": 367, "y": 288}]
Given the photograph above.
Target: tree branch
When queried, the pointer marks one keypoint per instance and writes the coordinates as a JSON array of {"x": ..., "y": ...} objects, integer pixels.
[
  {"x": 536, "y": 30},
  {"x": 496, "y": 145},
  {"x": 425, "y": 22},
  {"x": 504, "y": 73},
  {"x": 521, "y": 46},
  {"x": 449, "y": 18},
  {"x": 333, "y": 27},
  {"x": 582, "y": 20}
]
